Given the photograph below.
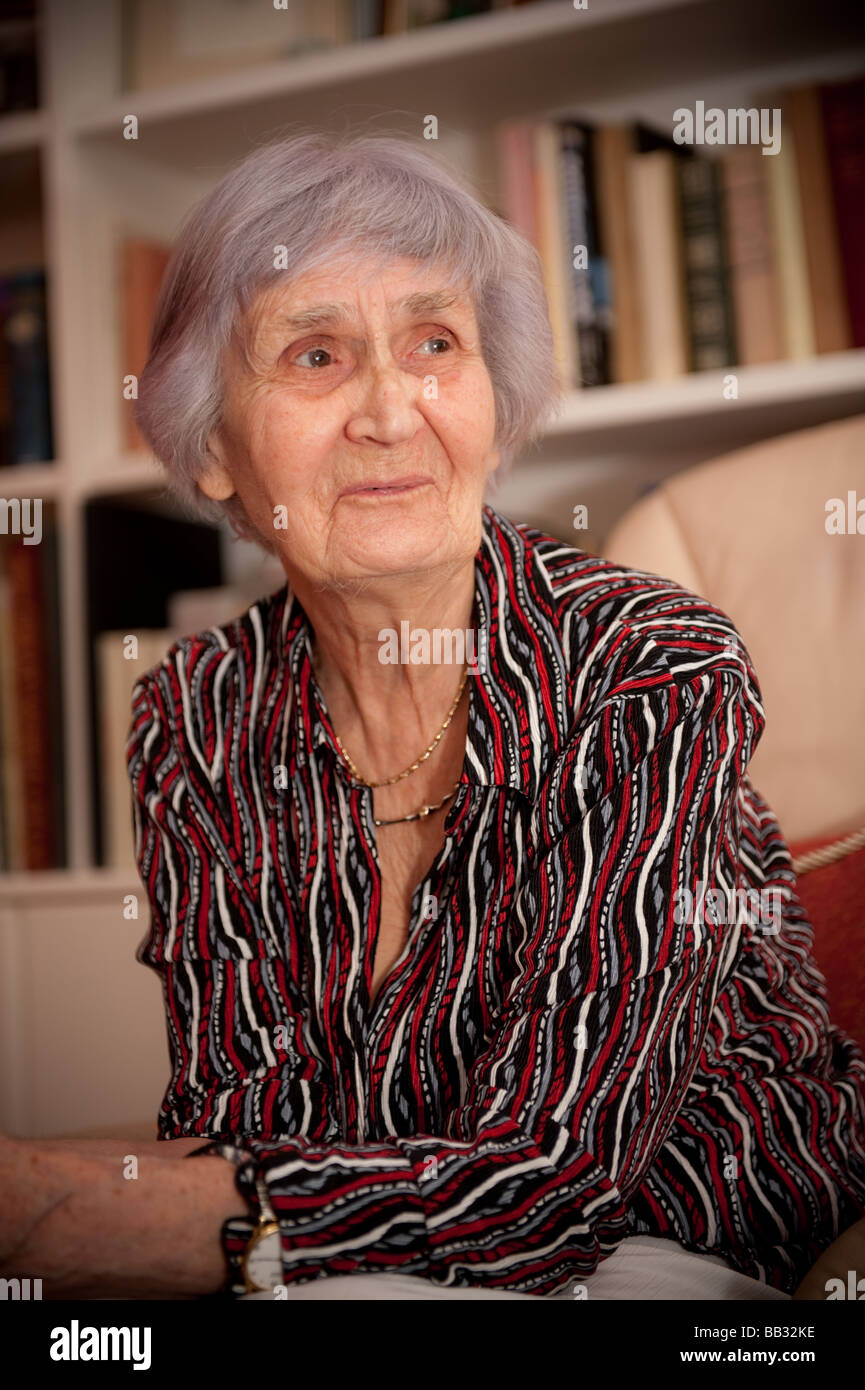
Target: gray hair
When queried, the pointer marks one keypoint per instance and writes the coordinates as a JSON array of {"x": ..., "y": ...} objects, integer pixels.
[{"x": 318, "y": 194}]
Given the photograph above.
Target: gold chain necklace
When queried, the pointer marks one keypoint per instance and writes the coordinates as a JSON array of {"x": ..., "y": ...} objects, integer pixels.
[
  {"x": 423, "y": 811},
  {"x": 389, "y": 781}
]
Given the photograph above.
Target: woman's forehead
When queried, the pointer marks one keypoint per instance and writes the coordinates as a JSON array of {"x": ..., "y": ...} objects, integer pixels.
[{"x": 333, "y": 289}]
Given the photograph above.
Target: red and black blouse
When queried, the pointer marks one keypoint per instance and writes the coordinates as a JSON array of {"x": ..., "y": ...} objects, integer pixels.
[{"x": 607, "y": 1019}]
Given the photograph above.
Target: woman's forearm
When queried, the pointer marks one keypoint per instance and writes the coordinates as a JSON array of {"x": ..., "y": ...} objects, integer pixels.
[
  {"x": 90, "y": 1231},
  {"x": 121, "y": 1148}
]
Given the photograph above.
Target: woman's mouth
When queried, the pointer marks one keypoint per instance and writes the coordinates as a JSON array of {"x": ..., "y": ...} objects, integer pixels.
[{"x": 386, "y": 487}]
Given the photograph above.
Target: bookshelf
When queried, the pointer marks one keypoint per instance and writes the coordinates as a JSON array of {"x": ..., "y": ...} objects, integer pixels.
[{"x": 90, "y": 188}]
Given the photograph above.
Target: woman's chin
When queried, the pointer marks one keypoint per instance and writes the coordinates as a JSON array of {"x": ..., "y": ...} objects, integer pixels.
[{"x": 406, "y": 544}]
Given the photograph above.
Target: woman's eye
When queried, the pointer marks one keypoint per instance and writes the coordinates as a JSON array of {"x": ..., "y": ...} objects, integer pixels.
[
  {"x": 439, "y": 338},
  {"x": 317, "y": 352}
]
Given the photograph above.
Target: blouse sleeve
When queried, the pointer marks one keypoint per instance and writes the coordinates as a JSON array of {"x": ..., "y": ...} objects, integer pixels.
[{"x": 604, "y": 1022}]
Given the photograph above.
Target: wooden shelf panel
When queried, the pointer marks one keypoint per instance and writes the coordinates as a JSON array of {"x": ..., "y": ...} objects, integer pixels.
[
  {"x": 613, "y": 407},
  {"x": 33, "y": 480},
  {"x": 67, "y": 885},
  {"x": 22, "y": 130}
]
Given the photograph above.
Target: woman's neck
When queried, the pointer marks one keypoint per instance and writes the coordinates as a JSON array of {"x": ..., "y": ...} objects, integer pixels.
[{"x": 389, "y": 659}]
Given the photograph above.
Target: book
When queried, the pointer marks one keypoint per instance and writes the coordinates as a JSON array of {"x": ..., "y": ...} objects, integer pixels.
[
  {"x": 654, "y": 202},
  {"x": 38, "y": 759},
  {"x": 614, "y": 145},
  {"x": 788, "y": 234},
  {"x": 829, "y": 312},
  {"x": 52, "y": 623},
  {"x": 754, "y": 282},
  {"x": 25, "y": 376},
  {"x": 843, "y": 109},
  {"x": 552, "y": 245},
  {"x": 587, "y": 264},
  {"x": 516, "y": 177},
  {"x": 143, "y": 265},
  {"x": 711, "y": 332},
  {"x": 10, "y": 767}
]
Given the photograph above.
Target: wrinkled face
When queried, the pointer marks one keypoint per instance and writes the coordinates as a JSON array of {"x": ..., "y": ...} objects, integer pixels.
[{"x": 362, "y": 422}]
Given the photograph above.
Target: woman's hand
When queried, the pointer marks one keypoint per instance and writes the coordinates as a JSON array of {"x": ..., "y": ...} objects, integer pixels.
[{"x": 88, "y": 1222}]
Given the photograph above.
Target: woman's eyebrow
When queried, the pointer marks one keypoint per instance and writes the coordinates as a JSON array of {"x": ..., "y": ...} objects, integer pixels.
[{"x": 331, "y": 315}]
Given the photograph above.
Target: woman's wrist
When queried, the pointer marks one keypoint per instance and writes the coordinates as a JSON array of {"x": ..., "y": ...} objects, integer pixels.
[
  {"x": 91, "y": 1226},
  {"x": 236, "y": 1230}
]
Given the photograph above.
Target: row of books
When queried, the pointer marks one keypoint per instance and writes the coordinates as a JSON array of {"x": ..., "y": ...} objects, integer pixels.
[
  {"x": 140, "y": 566},
  {"x": 26, "y": 431},
  {"x": 690, "y": 263},
  {"x": 174, "y": 41},
  {"x": 658, "y": 261},
  {"x": 32, "y": 814},
  {"x": 25, "y": 379}
]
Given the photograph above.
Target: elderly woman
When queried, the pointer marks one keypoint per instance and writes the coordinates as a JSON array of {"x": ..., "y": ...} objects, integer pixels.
[{"x": 482, "y": 958}]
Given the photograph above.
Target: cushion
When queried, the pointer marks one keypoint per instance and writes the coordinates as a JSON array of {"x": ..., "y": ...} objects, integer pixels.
[{"x": 833, "y": 895}]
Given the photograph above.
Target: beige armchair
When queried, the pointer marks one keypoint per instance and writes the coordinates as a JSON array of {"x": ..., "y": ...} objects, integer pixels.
[
  {"x": 757, "y": 532},
  {"x": 748, "y": 531}
]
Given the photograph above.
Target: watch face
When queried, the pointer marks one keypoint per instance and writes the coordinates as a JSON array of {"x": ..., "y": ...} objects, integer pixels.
[{"x": 263, "y": 1263}]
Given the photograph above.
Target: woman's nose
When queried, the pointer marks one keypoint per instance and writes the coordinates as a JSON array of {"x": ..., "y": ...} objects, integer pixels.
[{"x": 386, "y": 408}]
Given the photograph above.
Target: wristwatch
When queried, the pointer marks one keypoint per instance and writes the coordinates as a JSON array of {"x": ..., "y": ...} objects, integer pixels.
[{"x": 261, "y": 1262}]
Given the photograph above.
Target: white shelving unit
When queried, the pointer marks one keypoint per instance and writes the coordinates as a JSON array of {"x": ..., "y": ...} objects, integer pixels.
[{"x": 617, "y": 59}]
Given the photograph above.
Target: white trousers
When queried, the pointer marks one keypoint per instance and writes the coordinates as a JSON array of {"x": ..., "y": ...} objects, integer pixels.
[{"x": 642, "y": 1267}]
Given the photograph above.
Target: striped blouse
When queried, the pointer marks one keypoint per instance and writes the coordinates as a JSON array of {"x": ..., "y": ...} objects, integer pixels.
[{"x": 606, "y": 1020}]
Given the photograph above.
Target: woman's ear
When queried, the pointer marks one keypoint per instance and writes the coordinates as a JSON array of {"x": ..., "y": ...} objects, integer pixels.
[
  {"x": 493, "y": 461},
  {"x": 215, "y": 478}
]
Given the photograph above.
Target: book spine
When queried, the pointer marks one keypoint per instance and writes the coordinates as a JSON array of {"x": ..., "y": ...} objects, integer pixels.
[
  {"x": 588, "y": 274},
  {"x": 30, "y": 681},
  {"x": 26, "y": 340},
  {"x": 711, "y": 339},
  {"x": 843, "y": 106},
  {"x": 660, "y": 271},
  {"x": 754, "y": 280},
  {"x": 516, "y": 191},
  {"x": 9, "y": 799},
  {"x": 613, "y": 147},
  {"x": 829, "y": 311},
  {"x": 55, "y": 686},
  {"x": 143, "y": 265},
  {"x": 789, "y": 240},
  {"x": 553, "y": 249}
]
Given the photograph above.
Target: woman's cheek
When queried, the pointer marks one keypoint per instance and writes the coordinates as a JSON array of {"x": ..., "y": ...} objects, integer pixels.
[{"x": 465, "y": 398}]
